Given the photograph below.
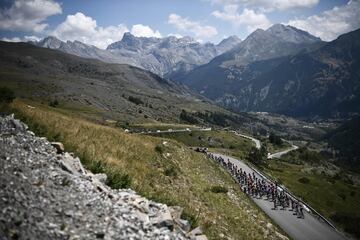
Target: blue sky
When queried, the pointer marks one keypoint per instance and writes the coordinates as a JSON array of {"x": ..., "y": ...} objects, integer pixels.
[{"x": 101, "y": 22}]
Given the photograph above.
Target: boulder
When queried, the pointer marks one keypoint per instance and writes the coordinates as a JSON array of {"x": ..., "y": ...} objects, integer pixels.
[
  {"x": 176, "y": 211},
  {"x": 58, "y": 146},
  {"x": 142, "y": 216},
  {"x": 163, "y": 219},
  {"x": 141, "y": 204},
  {"x": 201, "y": 237},
  {"x": 72, "y": 165},
  {"x": 183, "y": 224},
  {"x": 101, "y": 177},
  {"x": 18, "y": 125},
  {"x": 195, "y": 232}
]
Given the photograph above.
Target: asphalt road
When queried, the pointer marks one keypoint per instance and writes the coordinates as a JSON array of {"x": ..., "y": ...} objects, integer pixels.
[
  {"x": 309, "y": 228},
  {"x": 177, "y": 131},
  {"x": 256, "y": 141},
  {"x": 279, "y": 154},
  {"x": 258, "y": 146}
]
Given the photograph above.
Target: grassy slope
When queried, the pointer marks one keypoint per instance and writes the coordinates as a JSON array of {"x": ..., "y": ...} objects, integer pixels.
[
  {"x": 218, "y": 141},
  {"x": 231, "y": 214}
]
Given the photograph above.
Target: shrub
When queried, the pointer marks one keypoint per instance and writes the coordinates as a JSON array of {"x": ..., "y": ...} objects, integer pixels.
[
  {"x": 54, "y": 103},
  {"x": 218, "y": 189},
  {"x": 274, "y": 139},
  {"x": 6, "y": 95},
  {"x": 257, "y": 156},
  {"x": 171, "y": 171},
  {"x": 193, "y": 220},
  {"x": 350, "y": 222},
  {"x": 188, "y": 117},
  {"x": 117, "y": 180},
  {"x": 135, "y": 100},
  {"x": 304, "y": 180},
  {"x": 96, "y": 167},
  {"x": 342, "y": 196},
  {"x": 159, "y": 148}
]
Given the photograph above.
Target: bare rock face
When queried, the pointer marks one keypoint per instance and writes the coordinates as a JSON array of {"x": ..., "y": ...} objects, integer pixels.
[{"x": 45, "y": 195}]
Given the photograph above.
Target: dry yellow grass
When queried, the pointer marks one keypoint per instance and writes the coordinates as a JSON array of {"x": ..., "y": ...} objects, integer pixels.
[{"x": 221, "y": 215}]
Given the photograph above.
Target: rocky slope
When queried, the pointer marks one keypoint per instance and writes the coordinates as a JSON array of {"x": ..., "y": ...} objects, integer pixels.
[
  {"x": 117, "y": 89},
  {"x": 46, "y": 194}
]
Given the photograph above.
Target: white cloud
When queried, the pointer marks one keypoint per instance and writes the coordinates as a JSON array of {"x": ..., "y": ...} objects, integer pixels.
[
  {"x": 201, "y": 32},
  {"x": 31, "y": 38},
  {"x": 18, "y": 39},
  {"x": 175, "y": 35},
  {"x": 140, "y": 30},
  {"x": 85, "y": 29},
  {"x": 270, "y": 5},
  {"x": 28, "y": 15},
  {"x": 14, "y": 39},
  {"x": 248, "y": 17},
  {"x": 331, "y": 23}
]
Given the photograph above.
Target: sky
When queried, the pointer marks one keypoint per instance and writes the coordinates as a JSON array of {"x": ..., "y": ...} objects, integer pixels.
[{"x": 101, "y": 22}]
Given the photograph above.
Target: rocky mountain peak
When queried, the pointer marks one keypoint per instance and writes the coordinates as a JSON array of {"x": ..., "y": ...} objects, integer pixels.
[
  {"x": 188, "y": 39},
  {"x": 291, "y": 34},
  {"x": 174, "y": 42},
  {"x": 50, "y": 42},
  {"x": 128, "y": 40},
  {"x": 228, "y": 43},
  {"x": 128, "y": 37},
  {"x": 257, "y": 35}
]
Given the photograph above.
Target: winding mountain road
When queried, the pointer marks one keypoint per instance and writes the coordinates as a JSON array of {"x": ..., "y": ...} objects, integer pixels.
[
  {"x": 177, "y": 131},
  {"x": 279, "y": 154},
  {"x": 256, "y": 141},
  {"x": 258, "y": 146},
  {"x": 309, "y": 228}
]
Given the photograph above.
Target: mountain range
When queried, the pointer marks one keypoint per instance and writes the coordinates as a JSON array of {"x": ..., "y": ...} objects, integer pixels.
[
  {"x": 116, "y": 91},
  {"x": 287, "y": 71},
  {"x": 163, "y": 56},
  {"x": 281, "y": 69}
]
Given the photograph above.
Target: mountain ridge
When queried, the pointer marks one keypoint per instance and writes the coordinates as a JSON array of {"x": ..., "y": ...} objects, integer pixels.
[
  {"x": 296, "y": 84},
  {"x": 170, "y": 55},
  {"x": 118, "y": 91},
  {"x": 163, "y": 56}
]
